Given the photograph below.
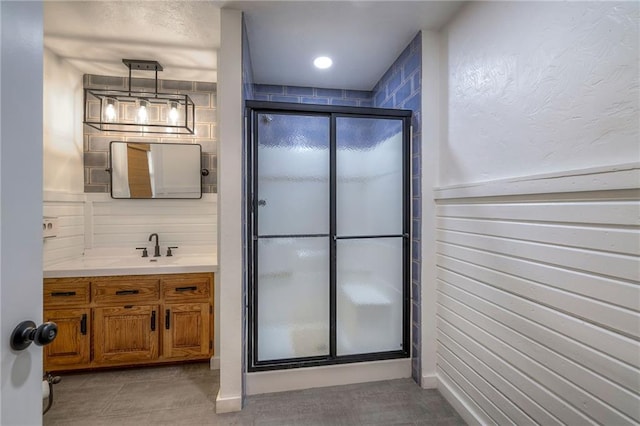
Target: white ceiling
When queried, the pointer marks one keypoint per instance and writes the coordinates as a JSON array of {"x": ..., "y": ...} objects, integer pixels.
[
  {"x": 362, "y": 37},
  {"x": 95, "y": 36}
]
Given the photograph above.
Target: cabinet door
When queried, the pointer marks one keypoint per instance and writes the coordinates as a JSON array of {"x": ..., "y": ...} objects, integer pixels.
[
  {"x": 71, "y": 348},
  {"x": 186, "y": 330},
  {"x": 125, "y": 334}
]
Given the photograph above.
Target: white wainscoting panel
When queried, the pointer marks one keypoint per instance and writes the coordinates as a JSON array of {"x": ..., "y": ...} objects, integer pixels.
[
  {"x": 128, "y": 223},
  {"x": 539, "y": 299},
  {"x": 69, "y": 241}
]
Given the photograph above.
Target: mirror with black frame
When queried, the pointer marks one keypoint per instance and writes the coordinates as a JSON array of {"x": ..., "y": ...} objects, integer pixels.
[{"x": 155, "y": 170}]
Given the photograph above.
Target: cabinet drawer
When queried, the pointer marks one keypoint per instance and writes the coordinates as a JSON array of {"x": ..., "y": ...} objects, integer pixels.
[
  {"x": 125, "y": 290},
  {"x": 64, "y": 293},
  {"x": 186, "y": 288}
]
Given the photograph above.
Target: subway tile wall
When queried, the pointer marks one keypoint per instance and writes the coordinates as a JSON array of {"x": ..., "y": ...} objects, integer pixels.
[
  {"x": 312, "y": 95},
  {"x": 401, "y": 87},
  {"x": 96, "y": 143}
]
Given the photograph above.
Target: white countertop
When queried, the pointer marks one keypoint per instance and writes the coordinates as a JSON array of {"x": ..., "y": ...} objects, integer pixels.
[{"x": 105, "y": 263}]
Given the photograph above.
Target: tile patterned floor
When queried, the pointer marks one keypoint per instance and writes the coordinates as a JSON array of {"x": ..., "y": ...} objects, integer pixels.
[{"x": 185, "y": 395}]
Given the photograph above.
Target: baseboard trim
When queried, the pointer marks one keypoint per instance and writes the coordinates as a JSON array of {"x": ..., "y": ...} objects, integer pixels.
[
  {"x": 228, "y": 404},
  {"x": 214, "y": 363},
  {"x": 457, "y": 402},
  {"x": 332, "y": 375},
  {"x": 429, "y": 381}
]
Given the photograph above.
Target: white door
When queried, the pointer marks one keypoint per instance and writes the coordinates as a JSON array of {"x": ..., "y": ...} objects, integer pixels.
[{"x": 20, "y": 207}]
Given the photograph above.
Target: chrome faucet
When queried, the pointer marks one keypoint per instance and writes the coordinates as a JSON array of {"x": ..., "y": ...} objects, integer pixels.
[{"x": 156, "y": 252}]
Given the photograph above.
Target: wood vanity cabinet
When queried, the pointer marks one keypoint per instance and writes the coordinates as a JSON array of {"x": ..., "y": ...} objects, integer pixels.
[{"x": 129, "y": 320}]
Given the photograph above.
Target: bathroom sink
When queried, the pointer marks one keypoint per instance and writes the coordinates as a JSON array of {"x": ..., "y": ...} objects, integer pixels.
[
  {"x": 164, "y": 260},
  {"x": 89, "y": 262},
  {"x": 113, "y": 265},
  {"x": 195, "y": 260}
]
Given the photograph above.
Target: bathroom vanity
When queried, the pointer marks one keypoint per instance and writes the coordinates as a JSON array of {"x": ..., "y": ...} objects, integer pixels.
[{"x": 125, "y": 320}]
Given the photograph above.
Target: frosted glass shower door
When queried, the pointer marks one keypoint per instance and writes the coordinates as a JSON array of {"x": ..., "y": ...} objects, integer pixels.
[
  {"x": 291, "y": 208},
  {"x": 370, "y": 238}
]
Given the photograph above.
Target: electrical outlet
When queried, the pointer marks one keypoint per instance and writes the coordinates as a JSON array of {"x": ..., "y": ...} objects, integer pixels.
[{"x": 49, "y": 227}]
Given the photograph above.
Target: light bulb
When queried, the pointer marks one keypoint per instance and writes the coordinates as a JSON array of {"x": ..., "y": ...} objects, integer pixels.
[
  {"x": 110, "y": 110},
  {"x": 322, "y": 62},
  {"x": 174, "y": 115},
  {"x": 143, "y": 114}
]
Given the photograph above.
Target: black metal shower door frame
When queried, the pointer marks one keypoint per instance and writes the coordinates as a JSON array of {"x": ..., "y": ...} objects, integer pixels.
[{"x": 253, "y": 110}]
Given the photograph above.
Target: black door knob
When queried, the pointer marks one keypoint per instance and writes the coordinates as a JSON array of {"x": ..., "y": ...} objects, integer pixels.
[{"x": 27, "y": 332}]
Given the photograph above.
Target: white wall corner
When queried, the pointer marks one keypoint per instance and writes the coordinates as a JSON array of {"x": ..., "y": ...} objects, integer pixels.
[
  {"x": 429, "y": 381},
  {"x": 214, "y": 363},
  {"x": 431, "y": 135},
  {"x": 230, "y": 275},
  {"x": 228, "y": 404}
]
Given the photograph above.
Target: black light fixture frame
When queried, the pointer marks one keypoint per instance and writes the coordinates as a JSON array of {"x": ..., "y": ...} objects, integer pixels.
[{"x": 185, "y": 127}]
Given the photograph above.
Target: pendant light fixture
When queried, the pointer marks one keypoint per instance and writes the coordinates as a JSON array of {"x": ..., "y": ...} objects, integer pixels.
[{"x": 138, "y": 111}]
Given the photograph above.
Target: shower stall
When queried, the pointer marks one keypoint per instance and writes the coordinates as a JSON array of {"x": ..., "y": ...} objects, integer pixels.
[{"x": 327, "y": 234}]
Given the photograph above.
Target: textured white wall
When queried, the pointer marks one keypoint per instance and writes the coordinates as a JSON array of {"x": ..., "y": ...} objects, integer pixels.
[
  {"x": 62, "y": 125},
  {"x": 537, "y": 280},
  {"x": 538, "y": 87}
]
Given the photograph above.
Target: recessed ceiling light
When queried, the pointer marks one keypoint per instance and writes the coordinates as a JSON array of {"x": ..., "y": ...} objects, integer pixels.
[{"x": 322, "y": 62}]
